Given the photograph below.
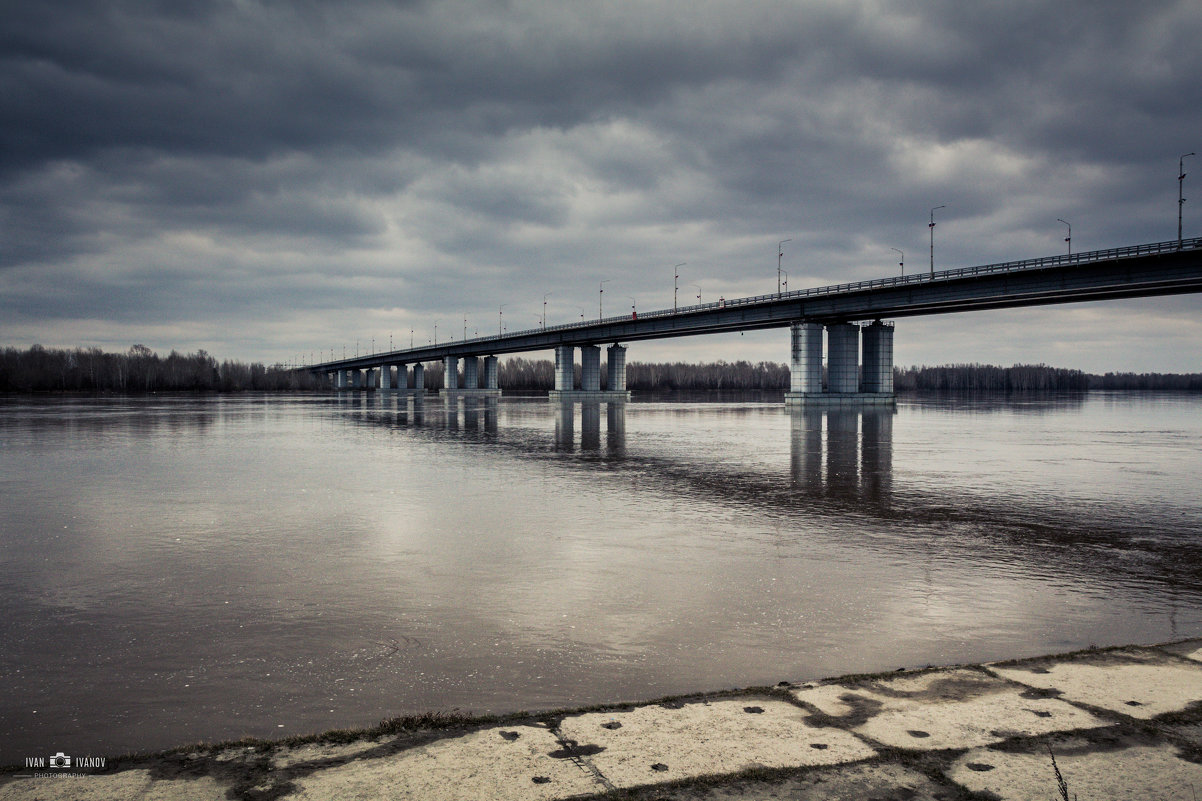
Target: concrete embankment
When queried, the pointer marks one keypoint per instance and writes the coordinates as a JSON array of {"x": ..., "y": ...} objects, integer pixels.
[{"x": 1110, "y": 724}]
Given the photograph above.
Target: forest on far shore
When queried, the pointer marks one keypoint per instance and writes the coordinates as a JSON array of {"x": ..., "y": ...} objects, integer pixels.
[{"x": 140, "y": 369}]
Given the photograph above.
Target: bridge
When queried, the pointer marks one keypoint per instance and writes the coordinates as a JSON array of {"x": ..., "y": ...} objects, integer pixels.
[{"x": 859, "y": 344}]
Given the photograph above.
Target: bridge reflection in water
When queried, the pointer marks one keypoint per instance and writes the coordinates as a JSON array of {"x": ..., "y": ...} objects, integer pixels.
[{"x": 845, "y": 453}]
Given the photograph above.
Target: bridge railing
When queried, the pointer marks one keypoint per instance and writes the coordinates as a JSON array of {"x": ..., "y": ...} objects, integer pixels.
[{"x": 1087, "y": 257}]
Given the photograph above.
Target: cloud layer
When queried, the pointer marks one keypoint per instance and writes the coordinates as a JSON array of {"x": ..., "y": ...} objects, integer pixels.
[{"x": 272, "y": 180}]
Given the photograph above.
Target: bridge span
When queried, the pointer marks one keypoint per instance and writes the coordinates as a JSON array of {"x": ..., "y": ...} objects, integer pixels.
[{"x": 859, "y": 344}]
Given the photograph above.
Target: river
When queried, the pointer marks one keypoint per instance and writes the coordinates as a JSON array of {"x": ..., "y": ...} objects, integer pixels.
[{"x": 175, "y": 569}]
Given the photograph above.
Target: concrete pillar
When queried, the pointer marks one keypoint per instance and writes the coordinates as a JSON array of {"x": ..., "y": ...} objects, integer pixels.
[
  {"x": 386, "y": 376},
  {"x": 419, "y": 376},
  {"x": 616, "y": 354},
  {"x": 805, "y": 367},
  {"x": 370, "y": 378},
  {"x": 590, "y": 372},
  {"x": 340, "y": 379},
  {"x": 402, "y": 376},
  {"x": 565, "y": 372},
  {"x": 843, "y": 357},
  {"x": 878, "y": 358},
  {"x": 471, "y": 373},
  {"x": 491, "y": 372},
  {"x": 450, "y": 374},
  {"x": 357, "y": 378}
]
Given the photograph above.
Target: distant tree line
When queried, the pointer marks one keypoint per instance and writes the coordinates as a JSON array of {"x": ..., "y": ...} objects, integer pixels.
[
  {"x": 140, "y": 369},
  {"x": 990, "y": 378}
]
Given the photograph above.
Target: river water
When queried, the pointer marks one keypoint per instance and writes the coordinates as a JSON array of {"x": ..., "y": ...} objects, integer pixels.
[{"x": 175, "y": 569}]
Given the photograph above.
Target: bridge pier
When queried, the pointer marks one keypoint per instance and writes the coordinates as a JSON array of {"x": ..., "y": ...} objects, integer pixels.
[
  {"x": 590, "y": 375},
  {"x": 471, "y": 378},
  {"x": 844, "y": 385}
]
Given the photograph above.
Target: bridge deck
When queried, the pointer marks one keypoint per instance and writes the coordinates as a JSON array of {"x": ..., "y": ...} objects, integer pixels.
[{"x": 1162, "y": 268}]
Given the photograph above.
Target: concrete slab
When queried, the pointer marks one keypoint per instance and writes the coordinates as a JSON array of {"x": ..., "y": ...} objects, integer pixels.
[
  {"x": 957, "y": 708},
  {"x": 1137, "y": 771},
  {"x": 139, "y": 784},
  {"x": 502, "y": 763},
  {"x": 654, "y": 744},
  {"x": 1141, "y": 683}
]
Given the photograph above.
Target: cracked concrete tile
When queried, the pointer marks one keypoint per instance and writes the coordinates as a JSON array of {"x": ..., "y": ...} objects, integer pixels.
[
  {"x": 944, "y": 709},
  {"x": 492, "y": 764},
  {"x": 1138, "y": 683},
  {"x": 114, "y": 787},
  {"x": 657, "y": 743},
  {"x": 1138, "y": 771}
]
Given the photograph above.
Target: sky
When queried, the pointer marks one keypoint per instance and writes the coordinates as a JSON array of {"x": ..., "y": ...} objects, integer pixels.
[{"x": 283, "y": 181}]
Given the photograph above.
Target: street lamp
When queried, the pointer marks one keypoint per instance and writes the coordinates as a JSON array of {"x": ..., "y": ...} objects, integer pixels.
[
  {"x": 465, "y": 327},
  {"x": 633, "y": 310},
  {"x": 932, "y": 227},
  {"x": 601, "y": 297},
  {"x": 901, "y": 263},
  {"x": 410, "y": 339},
  {"x": 1069, "y": 238},
  {"x": 545, "y": 296},
  {"x": 786, "y": 274},
  {"x": 698, "y": 288},
  {"x": 780, "y": 254},
  {"x": 1180, "y": 197},
  {"x": 435, "y": 332},
  {"x": 676, "y": 282},
  {"x": 500, "y": 312}
]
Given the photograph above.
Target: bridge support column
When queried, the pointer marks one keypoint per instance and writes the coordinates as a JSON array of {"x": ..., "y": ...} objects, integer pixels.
[
  {"x": 419, "y": 377},
  {"x": 616, "y": 379},
  {"x": 386, "y": 376},
  {"x": 356, "y": 379},
  {"x": 471, "y": 373},
  {"x": 491, "y": 372},
  {"x": 878, "y": 358},
  {"x": 450, "y": 373},
  {"x": 805, "y": 366},
  {"x": 402, "y": 376},
  {"x": 843, "y": 358},
  {"x": 565, "y": 369},
  {"x": 590, "y": 372}
]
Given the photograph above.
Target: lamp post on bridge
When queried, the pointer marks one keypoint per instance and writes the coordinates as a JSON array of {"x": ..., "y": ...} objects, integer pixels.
[
  {"x": 1180, "y": 189},
  {"x": 698, "y": 288},
  {"x": 901, "y": 263},
  {"x": 780, "y": 254},
  {"x": 600, "y": 298},
  {"x": 500, "y": 312},
  {"x": 932, "y": 227},
  {"x": 1069, "y": 238},
  {"x": 786, "y": 274},
  {"x": 676, "y": 282},
  {"x": 633, "y": 311},
  {"x": 545, "y": 296}
]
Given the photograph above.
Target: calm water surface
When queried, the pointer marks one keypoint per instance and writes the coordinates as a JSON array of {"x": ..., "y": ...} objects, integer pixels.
[{"x": 185, "y": 568}]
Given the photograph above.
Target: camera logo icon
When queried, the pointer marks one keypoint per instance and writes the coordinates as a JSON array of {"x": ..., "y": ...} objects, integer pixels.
[{"x": 60, "y": 760}]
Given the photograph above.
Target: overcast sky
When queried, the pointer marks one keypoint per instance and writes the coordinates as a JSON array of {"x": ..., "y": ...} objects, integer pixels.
[{"x": 273, "y": 180}]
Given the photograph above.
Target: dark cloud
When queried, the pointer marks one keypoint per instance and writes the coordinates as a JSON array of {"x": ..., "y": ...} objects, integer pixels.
[{"x": 175, "y": 163}]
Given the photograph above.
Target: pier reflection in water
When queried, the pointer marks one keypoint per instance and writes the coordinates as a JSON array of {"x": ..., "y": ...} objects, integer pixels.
[{"x": 843, "y": 453}]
